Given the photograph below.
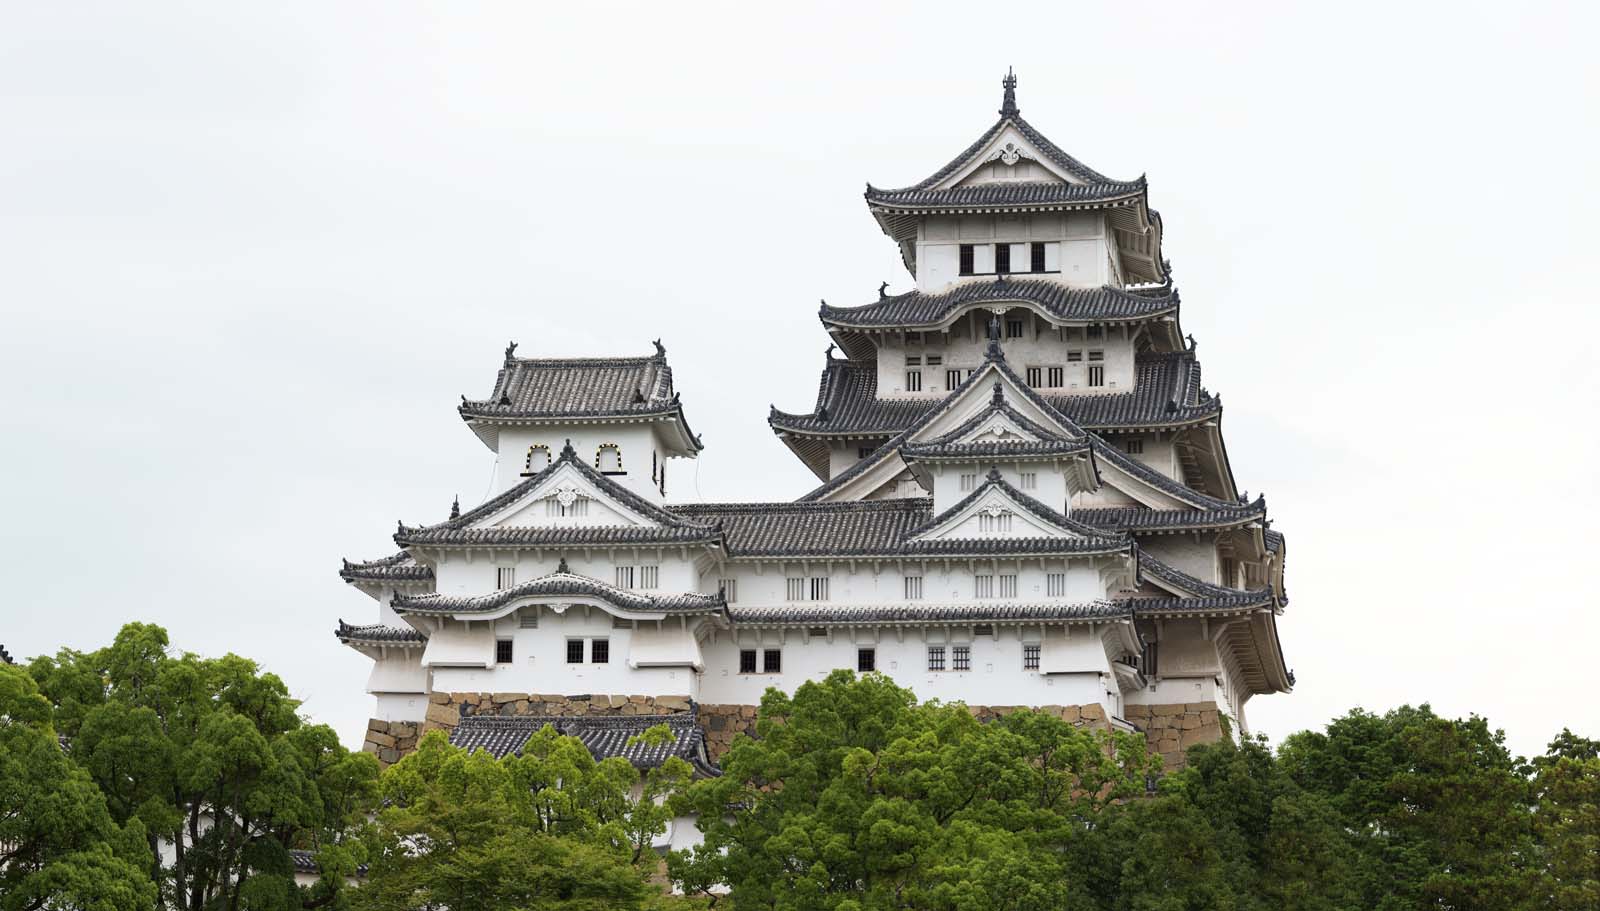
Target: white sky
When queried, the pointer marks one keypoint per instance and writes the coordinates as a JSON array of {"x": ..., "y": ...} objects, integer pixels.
[{"x": 250, "y": 256}]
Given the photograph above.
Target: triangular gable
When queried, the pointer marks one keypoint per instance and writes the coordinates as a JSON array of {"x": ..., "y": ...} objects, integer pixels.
[
  {"x": 1008, "y": 155},
  {"x": 565, "y": 497},
  {"x": 996, "y": 510}
]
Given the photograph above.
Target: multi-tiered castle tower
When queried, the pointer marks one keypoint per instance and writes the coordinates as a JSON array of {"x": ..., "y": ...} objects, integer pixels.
[{"x": 1024, "y": 499}]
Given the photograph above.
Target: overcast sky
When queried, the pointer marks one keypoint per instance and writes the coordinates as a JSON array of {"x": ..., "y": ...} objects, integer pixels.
[{"x": 251, "y": 255}]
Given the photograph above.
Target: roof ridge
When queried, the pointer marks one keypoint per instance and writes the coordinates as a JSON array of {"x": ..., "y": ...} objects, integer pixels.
[{"x": 896, "y": 503}]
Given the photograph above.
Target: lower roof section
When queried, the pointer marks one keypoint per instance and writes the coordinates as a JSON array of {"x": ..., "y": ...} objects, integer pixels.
[{"x": 605, "y": 736}]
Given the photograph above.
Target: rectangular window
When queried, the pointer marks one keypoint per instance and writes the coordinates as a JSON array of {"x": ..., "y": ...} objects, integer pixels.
[
  {"x": 913, "y": 588},
  {"x": 969, "y": 482},
  {"x": 747, "y": 661},
  {"x": 864, "y": 451},
  {"x": 966, "y": 259},
  {"x": 915, "y": 361},
  {"x": 1030, "y": 657},
  {"x": 819, "y": 588},
  {"x": 772, "y": 661},
  {"x": 574, "y": 651},
  {"x": 730, "y": 589},
  {"x": 1074, "y": 357},
  {"x": 528, "y": 618},
  {"x": 952, "y": 379},
  {"x": 1008, "y": 586},
  {"x": 913, "y": 380},
  {"x": 502, "y": 651},
  {"x": 1133, "y": 447},
  {"x": 600, "y": 651},
  {"x": 624, "y": 576},
  {"x": 1097, "y": 356},
  {"x": 935, "y": 360},
  {"x": 935, "y": 657},
  {"x": 505, "y": 577},
  {"x": 1229, "y": 570},
  {"x": 1097, "y": 374},
  {"x": 983, "y": 586},
  {"x": 1035, "y": 377},
  {"x": 1002, "y": 258},
  {"x": 649, "y": 576},
  {"x": 796, "y": 590},
  {"x": 961, "y": 658},
  {"x": 817, "y": 631},
  {"x": 1013, "y": 328},
  {"x": 1036, "y": 256},
  {"x": 983, "y": 629},
  {"x": 1055, "y": 585},
  {"x": 1095, "y": 332},
  {"x": 1029, "y": 479},
  {"x": 1052, "y": 379},
  {"x": 866, "y": 660}
]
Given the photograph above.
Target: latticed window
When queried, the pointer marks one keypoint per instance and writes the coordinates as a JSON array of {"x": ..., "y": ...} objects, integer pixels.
[
  {"x": 983, "y": 586},
  {"x": 1133, "y": 447},
  {"x": 994, "y": 524},
  {"x": 747, "y": 661},
  {"x": 1002, "y": 258},
  {"x": 913, "y": 588},
  {"x": 1036, "y": 256},
  {"x": 772, "y": 661},
  {"x": 819, "y": 588},
  {"x": 913, "y": 380},
  {"x": 624, "y": 575},
  {"x": 1055, "y": 585},
  {"x": 649, "y": 576},
  {"x": 1008, "y": 586},
  {"x": 1052, "y": 378},
  {"x": 730, "y": 589},
  {"x": 961, "y": 658},
  {"x": 969, "y": 482},
  {"x": 866, "y": 660},
  {"x": 505, "y": 577},
  {"x": 1035, "y": 377},
  {"x": 966, "y": 259},
  {"x": 600, "y": 651},
  {"x": 1097, "y": 368},
  {"x": 796, "y": 589},
  {"x": 952, "y": 379},
  {"x": 1029, "y": 480},
  {"x": 935, "y": 657},
  {"x": 502, "y": 651},
  {"x": 1013, "y": 328},
  {"x": 574, "y": 651},
  {"x": 1030, "y": 657}
]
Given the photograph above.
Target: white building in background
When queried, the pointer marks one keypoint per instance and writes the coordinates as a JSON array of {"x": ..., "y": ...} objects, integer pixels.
[{"x": 1025, "y": 500}]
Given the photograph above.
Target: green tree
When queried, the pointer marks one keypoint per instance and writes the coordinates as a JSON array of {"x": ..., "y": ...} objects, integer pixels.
[
  {"x": 551, "y": 828},
  {"x": 1567, "y": 821},
  {"x": 59, "y": 847},
  {"x": 211, "y": 761}
]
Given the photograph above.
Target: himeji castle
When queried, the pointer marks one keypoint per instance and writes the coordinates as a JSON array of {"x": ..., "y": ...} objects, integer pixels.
[{"x": 1024, "y": 499}]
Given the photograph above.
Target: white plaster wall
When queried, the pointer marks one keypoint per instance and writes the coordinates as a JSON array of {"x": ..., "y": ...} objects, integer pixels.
[
  {"x": 637, "y": 442},
  {"x": 1041, "y": 345},
  {"x": 1198, "y": 558},
  {"x": 1050, "y": 483},
  {"x": 398, "y": 671},
  {"x": 400, "y": 707},
  {"x": 765, "y": 585},
  {"x": 1083, "y": 260},
  {"x": 459, "y": 572}
]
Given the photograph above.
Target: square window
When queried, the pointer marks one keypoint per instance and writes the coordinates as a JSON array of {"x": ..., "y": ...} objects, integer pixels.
[
  {"x": 574, "y": 651},
  {"x": 952, "y": 379},
  {"x": 730, "y": 589},
  {"x": 624, "y": 576},
  {"x": 983, "y": 586},
  {"x": 819, "y": 588},
  {"x": 1035, "y": 377},
  {"x": 600, "y": 651},
  {"x": 961, "y": 658},
  {"x": 935, "y": 657},
  {"x": 1053, "y": 378},
  {"x": 1008, "y": 586},
  {"x": 1055, "y": 585},
  {"x": 795, "y": 589},
  {"x": 1013, "y": 328},
  {"x": 502, "y": 651},
  {"x": 866, "y": 660},
  {"x": 649, "y": 576},
  {"x": 913, "y": 588},
  {"x": 505, "y": 577},
  {"x": 1030, "y": 657},
  {"x": 772, "y": 661},
  {"x": 747, "y": 661}
]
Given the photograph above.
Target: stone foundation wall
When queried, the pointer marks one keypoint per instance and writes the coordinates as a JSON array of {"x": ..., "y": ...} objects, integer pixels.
[
  {"x": 722, "y": 722},
  {"x": 1173, "y": 728}
]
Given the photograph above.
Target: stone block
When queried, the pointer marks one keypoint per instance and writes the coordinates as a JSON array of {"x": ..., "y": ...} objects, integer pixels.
[
  {"x": 1072, "y": 713},
  {"x": 1092, "y": 712},
  {"x": 373, "y": 724},
  {"x": 1209, "y": 716},
  {"x": 1198, "y": 706},
  {"x": 403, "y": 728},
  {"x": 639, "y": 700},
  {"x": 439, "y": 698},
  {"x": 673, "y": 703},
  {"x": 503, "y": 698},
  {"x": 1168, "y": 744},
  {"x": 383, "y": 740},
  {"x": 446, "y": 715},
  {"x": 1173, "y": 708},
  {"x": 389, "y": 756},
  {"x": 1131, "y": 712},
  {"x": 369, "y": 747},
  {"x": 1190, "y": 721},
  {"x": 1198, "y": 735}
]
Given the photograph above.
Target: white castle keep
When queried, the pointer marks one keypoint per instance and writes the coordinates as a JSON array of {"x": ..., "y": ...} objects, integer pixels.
[{"x": 1025, "y": 500}]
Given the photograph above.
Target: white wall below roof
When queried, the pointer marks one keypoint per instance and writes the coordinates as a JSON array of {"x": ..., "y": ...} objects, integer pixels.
[
  {"x": 1040, "y": 346},
  {"x": 400, "y": 707},
  {"x": 399, "y": 671},
  {"x": 1083, "y": 259},
  {"x": 761, "y": 585},
  {"x": 460, "y": 574},
  {"x": 638, "y": 442},
  {"x": 1182, "y": 552}
]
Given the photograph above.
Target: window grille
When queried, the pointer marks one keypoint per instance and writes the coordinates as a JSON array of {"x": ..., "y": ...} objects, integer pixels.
[
  {"x": 624, "y": 576},
  {"x": 935, "y": 657},
  {"x": 1055, "y": 585},
  {"x": 1002, "y": 258},
  {"x": 553, "y": 508},
  {"x": 649, "y": 576},
  {"x": 935, "y": 360},
  {"x": 747, "y": 661},
  {"x": 866, "y": 660},
  {"x": 983, "y": 586},
  {"x": 1030, "y": 657},
  {"x": 994, "y": 524},
  {"x": 1097, "y": 375},
  {"x": 952, "y": 379},
  {"x": 913, "y": 588},
  {"x": 1095, "y": 332},
  {"x": 1052, "y": 379},
  {"x": 969, "y": 482},
  {"x": 505, "y": 577},
  {"x": 1035, "y": 377},
  {"x": 1013, "y": 328},
  {"x": 1029, "y": 480},
  {"x": 966, "y": 259},
  {"x": 914, "y": 361},
  {"x": 730, "y": 589},
  {"x": 1133, "y": 447},
  {"x": 1074, "y": 357},
  {"x": 913, "y": 380},
  {"x": 528, "y": 618},
  {"x": 961, "y": 658},
  {"x": 600, "y": 651},
  {"x": 819, "y": 588},
  {"x": 1097, "y": 355},
  {"x": 502, "y": 651},
  {"x": 1008, "y": 586},
  {"x": 772, "y": 661},
  {"x": 796, "y": 589},
  {"x": 1036, "y": 256},
  {"x": 574, "y": 651}
]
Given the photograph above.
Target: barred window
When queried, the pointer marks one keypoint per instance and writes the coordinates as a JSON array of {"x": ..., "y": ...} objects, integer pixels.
[
  {"x": 913, "y": 588},
  {"x": 747, "y": 661},
  {"x": 1133, "y": 447},
  {"x": 913, "y": 380},
  {"x": 1030, "y": 480},
  {"x": 624, "y": 576},
  {"x": 1074, "y": 357},
  {"x": 819, "y": 588},
  {"x": 772, "y": 661},
  {"x": 796, "y": 589},
  {"x": 505, "y": 577},
  {"x": 1036, "y": 256},
  {"x": 1053, "y": 378},
  {"x": 994, "y": 524},
  {"x": 528, "y": 618},
  {"x": 961, "y": 658},
  {"x": 649, "y": 576},
  {"x": 1097, "y": 375},
  {"x": 1002, "y": 258},
  {"x": 574, "y": 651},
  {"x": 952, "y": 379},
  {"x": 866, "y": 660},
  {"x": 1013, "y": 328},
  {"x": 935, "y": 360},
  {"x": 1055, "y": 585},
  {"x": 969, "y": 482},
  {"x": 600, "y": 651},
  {"x": 864, "y": 451},
  {"x": 935, "y": 657},
  {"x": 730, "y": 589},
  {"x": 983, "y": 586},
  {"x": 1030, "y": 657},
  {"x": 502, "y": 651},
  {"x": 966, "y": 259},
  {"x": 1008, "y": 586},
  {"x": 1035, "y": 377},
  {"x": 554, "y": 508}
]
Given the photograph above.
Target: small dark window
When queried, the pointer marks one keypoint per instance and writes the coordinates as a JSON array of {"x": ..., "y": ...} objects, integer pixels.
[
  {"x": 961, "y": 658},
  {"x": 1035, "y": 377},
  {"x": 772, "y": 661},
  {"x": 1013, "y": 328},
  {"x": 1097, "y": 375},
  {"x": 864, "y": 451},
  {"x": 1074, "y": 357},
  {"x": 952, "y": 379},
  {"x": 1002, "y": 258},
  {"x": 574, "y": 651},
  {"x": 966, "y": 259},
  {"x": 1094, "y": 332},
  {"x": 1036, "y": 253},
  {"x": 502, "y": 651},
  {"x": 1030, "y": 657},
  {"x": 1053, "y": 378},
  {"x": 913, "y": 380},
  {"x": 935, "y": 657},
  {"x": 866, "y": 660},
  {"x": 1133, "y": 447},
  {"x": 600, "y": 651},
  {"x": 747, "y": 661}
]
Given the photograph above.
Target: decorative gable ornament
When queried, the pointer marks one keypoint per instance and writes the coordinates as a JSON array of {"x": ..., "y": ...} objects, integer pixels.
[
  {"x": 566, "y": 495},
  {"x": 995, "y": 511}
]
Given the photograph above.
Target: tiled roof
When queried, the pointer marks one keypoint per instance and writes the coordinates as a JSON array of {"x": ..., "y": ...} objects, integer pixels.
[
  {"x": 1166, "y": 393},
  {"x": 1110, "y": 454},
  {"x": 1200, "y": 597},
  {"x": 915, "y": 309},
  {"x": 979, "y": 612},
  {"x": 306, "y": 862},
  {"x": 1140, "y": 519},
  {"x": 996, "y": 449},
  {"x": 573, "y": 387},
  {"x": 400, "y": 567},
  {"x": 604, "y": 736},
  {"x": 982, "y": 196},
  {"x": 670, "y": 527},
  {"x": 378, "y": 634},
  {"x": 562, "y": 583}
]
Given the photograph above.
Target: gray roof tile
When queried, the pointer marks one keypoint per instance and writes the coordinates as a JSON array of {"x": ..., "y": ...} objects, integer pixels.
[
  {"x": 400, "y": 567},
  {"x": 561, "y": 582},
  {"x": 378, "y": 634},
  {"x": 915, "y": 309},
  {"x": 605, "y": 736}
]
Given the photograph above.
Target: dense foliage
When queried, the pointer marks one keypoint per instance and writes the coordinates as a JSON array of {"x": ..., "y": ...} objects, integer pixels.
[{"x": 136, "y": 777}]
